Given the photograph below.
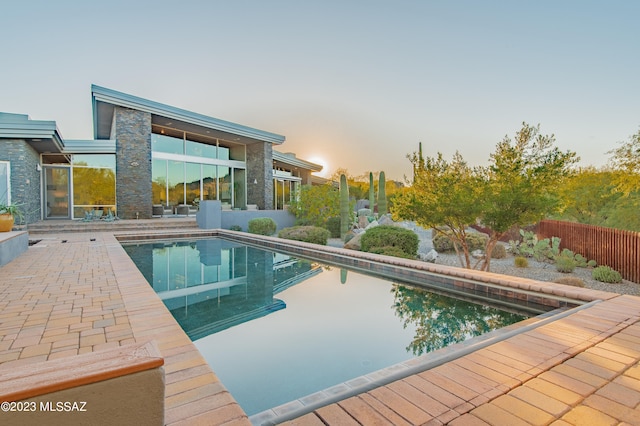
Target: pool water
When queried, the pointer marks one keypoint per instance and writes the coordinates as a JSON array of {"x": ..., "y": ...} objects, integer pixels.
[{"x": 275, "y": 328}]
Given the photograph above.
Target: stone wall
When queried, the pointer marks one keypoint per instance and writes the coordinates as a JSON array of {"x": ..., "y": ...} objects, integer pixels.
[
  {"x": 132, "y": 131},
  {"x": 25, "y": 177},
  {"x": 260, "y": 171}
]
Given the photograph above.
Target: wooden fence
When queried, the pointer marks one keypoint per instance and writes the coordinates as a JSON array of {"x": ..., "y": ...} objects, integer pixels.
[{"x": 612, "y": 247}]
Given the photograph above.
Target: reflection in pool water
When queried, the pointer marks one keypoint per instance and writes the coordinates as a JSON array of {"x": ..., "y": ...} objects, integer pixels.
[{"x": 275, "y": 328}]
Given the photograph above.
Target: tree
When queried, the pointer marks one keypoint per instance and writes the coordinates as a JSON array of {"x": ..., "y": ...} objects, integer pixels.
[
  {"x": 522, "y": 181},
  {"x": 626, "y": 158},
  {"x": 445, "y": 196},
  {"x": 316, "y": 204},
  {"x": 519, "y": 187},
  {"x": 588, "y": 196}
]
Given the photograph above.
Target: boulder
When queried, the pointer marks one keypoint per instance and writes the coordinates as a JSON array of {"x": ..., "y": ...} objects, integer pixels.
[
  {"x": 386, "y": 220},
  {"x": 431, "y": 256},
  {"x": 354, "y": 243},
  {"x": 371, "y": 225}
]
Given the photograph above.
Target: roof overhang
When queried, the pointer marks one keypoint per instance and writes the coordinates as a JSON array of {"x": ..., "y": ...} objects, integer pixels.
[
  {"x": 43, "y": 136},
  {"x": 105, "y": 100},
  {"x": 291, "y": 160}
]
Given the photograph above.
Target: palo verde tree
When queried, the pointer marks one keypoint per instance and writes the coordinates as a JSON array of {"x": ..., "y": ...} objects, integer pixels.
[
  {"x": 446, "y": 196},
  {"x": 316, "y": 204},
  {"x": 626, "y": 158},
  {"x": 519, "y": 187},
  {"x": 522, "y": 182}
]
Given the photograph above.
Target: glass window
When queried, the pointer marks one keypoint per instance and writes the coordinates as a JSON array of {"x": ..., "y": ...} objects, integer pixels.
[
  {"x": 224, "y": 184},
  {"x": 209, "y": 182},
  {"x": 159, "y": 181},
  {"x": 239, "y": 190},
  {"x": 176, "y": 183},
  {"x": 192, "y": 182},
  {"x": 95, "y": 160},
  {"x": 162, "y": 143},
  {"x": 5, "y": 193},
  {"x": 223, "y": 153},
  {"x": 237, "y": 152},
  {"x": 198, "y": 149}
]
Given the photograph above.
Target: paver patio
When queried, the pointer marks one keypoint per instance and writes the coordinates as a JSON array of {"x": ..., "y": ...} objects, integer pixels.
[{"x": 62, "y": 299}]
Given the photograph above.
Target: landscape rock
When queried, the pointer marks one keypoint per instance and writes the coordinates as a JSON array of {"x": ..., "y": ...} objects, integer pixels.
[
  {"x": 354, "y": 243},
  {"x": 431, "y": 256}
]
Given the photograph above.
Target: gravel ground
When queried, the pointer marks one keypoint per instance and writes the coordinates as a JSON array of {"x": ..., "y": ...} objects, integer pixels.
[{"x": 537, "y": 270}]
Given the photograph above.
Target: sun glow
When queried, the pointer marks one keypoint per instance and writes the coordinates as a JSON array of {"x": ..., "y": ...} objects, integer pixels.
[{"x": 325, "y": 166}]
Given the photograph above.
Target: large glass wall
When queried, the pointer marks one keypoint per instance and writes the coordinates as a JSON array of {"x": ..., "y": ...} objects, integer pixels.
[
  {"x": 186, "y": 171},
  {"x": 285, "y": 189},
  {"x": 94, "y": 184}
]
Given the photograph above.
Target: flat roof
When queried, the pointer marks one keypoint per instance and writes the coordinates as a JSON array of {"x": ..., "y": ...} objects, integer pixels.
[
  {"x": 42, "y": 135},
  {"x": 104, "y": 100}
]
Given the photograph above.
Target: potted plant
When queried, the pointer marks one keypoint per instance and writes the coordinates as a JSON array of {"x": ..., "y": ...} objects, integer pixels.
[{"x": 8, "y": 214}]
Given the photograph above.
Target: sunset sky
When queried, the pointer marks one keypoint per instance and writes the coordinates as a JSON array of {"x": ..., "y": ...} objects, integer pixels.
[{"x": 353, "y": 84}]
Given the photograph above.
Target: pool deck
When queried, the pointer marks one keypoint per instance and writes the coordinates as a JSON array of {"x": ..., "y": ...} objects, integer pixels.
[{"x": 60, "y": 299}]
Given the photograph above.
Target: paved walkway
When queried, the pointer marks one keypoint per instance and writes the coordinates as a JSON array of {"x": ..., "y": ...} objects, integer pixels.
[{"x": 61, "y": 299}]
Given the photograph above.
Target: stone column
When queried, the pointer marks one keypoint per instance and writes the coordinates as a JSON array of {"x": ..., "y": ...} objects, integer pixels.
[
  {"x": 260, "y": 171},
  {"x": 132, "y": 131}
]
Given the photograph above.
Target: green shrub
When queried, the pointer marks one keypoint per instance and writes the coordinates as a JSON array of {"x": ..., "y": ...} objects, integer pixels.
[
  {"x": 476, "y": 241},
  {"x": 499, "y": 252},
  {"x": 521, "y": 262},
  {"x": 235, "y": 228},
  {"x": 390, "y": 236},
  {"x": 333, "y": 225},
  {"x": 391, "y": 251},
  {"x": 572, "y": 281},
  {"x": 308, "y": 234},
  {"x": 565, "y": 263},
  {"x": 262, "y": 226},
  {"x": 592, "y": 263},
  {"x": 606, "y": 274}
]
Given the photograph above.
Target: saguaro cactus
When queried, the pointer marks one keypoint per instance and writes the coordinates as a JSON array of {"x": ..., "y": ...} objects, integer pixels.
[
  {"x": 382, "y": 196},
  {"x": 344, "y": 207},
  {"x": 372, "y": 197}
]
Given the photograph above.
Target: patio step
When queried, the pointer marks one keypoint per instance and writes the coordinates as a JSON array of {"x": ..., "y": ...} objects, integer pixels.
[{"x": 58, "y": 226}]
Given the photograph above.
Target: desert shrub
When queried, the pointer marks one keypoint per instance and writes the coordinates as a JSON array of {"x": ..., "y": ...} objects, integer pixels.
[
  {"x": 235, "y": 228},
  {"x": 390, "y": 236},
  {"x": 592, "y": 263},
  {"x": 333, "y": 225},
  {"x": 565, "y": 263},
  {"x": 521, "y": 262},
  {"x": 499, "y": 252},
  {"x": 391, "y": 251},
  {"x": 572, "y": 281},
  {"x": 308, "y": 234},
  {"x": 475, "y": 241},
  {"x": 606, "y": 274},
  {"x": 262, "y": 226}
]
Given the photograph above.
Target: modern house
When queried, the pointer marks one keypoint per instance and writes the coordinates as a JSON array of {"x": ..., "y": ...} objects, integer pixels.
[{"x": 145, "y": 159}]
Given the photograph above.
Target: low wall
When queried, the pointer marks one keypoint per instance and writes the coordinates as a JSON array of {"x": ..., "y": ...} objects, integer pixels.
[
  {"x": 122, "y": 386},
  {"x": 12, "y": 244},
  {"x": 211, "y": 216}
]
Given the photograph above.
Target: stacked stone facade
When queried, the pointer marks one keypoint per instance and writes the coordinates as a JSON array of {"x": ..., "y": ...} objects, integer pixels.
[
  {"x": 131, "y": 130},
  {"x": 260, "y": 171},
  {"x": 25, "y": 177}
]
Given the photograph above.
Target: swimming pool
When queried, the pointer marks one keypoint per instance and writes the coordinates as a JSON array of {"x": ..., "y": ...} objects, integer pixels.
[{"x": 276, "y": 328}]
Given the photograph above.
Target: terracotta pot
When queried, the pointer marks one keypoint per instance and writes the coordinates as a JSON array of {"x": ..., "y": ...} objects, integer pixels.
[{"x": 6, "y": 222}]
